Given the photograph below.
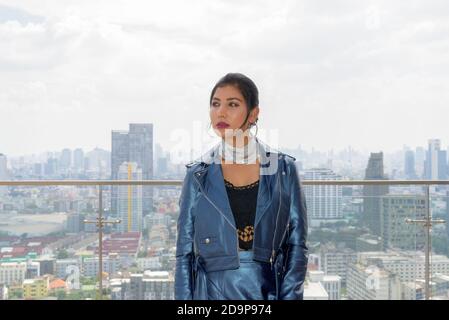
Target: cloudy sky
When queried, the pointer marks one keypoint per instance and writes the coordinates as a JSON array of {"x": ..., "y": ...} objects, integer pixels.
[{"x": 370, "y": 74}]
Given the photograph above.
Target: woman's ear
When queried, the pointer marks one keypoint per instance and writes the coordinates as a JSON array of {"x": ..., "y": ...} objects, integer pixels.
[{"x": 254, "y": 114}]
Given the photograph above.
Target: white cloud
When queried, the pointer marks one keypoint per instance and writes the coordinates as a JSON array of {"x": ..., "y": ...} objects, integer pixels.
[{"x": 372, "y": 75}]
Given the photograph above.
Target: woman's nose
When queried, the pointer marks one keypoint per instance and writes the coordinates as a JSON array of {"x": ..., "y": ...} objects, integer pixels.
[{"x": 221, "y": 110}]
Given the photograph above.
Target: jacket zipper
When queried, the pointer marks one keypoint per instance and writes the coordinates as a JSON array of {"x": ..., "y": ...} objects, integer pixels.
[
  {"x": 273, "y": 251},
  {"x": 282, "y": 241},
  {"x": 213, "y": 204}
]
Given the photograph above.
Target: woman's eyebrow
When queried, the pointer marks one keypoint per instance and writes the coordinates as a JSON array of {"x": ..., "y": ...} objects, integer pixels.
[{"x": 234, "y": 99}]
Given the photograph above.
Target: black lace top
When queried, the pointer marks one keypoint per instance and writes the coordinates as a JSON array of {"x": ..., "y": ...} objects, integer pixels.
[{"x": 243, "y": 201}]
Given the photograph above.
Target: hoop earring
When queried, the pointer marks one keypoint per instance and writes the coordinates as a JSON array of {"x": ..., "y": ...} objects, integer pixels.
[{"x": 257, "y": 129}]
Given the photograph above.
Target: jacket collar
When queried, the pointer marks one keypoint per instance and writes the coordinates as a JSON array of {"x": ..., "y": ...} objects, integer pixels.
[{"x": 210, "y": 176}]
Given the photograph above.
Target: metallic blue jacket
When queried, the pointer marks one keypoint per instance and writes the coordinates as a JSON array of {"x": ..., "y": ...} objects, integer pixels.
[{"x": 207, "y": 235}]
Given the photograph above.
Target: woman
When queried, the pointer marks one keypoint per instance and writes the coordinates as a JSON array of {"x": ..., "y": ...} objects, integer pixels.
[{"x": 242, "y": 225}]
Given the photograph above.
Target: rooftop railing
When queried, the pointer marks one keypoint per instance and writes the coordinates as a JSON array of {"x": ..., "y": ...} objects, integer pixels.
[{"x": 426, "y": 222}]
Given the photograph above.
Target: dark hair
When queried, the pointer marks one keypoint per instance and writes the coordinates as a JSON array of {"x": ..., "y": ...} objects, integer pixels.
[{"x": 245, "y": 85}]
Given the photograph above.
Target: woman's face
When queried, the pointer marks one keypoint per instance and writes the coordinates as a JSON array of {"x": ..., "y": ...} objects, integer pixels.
[{"x": 228, "y": 111}]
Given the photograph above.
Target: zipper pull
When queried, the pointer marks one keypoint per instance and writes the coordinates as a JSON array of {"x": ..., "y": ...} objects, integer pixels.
[{"x": 272, "y": 258}]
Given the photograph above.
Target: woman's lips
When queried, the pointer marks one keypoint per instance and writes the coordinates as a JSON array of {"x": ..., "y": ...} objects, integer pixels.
[{"x": 222, "y": 125}]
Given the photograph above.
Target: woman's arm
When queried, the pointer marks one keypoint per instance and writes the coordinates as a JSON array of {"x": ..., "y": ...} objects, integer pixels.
[
  {"x": 292, "y": 287},
  {"x": 184, "y": 243}
]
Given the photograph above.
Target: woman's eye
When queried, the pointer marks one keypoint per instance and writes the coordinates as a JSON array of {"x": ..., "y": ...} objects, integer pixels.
[
  {"x": 215, "y": 104},
  {"x": 232, "y": 104}
]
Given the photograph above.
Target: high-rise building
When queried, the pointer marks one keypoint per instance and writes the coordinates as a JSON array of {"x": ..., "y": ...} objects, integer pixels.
[
  {"x": 33, "y": 270},
  {"x": 335, "y": 261},
  {"x": 38, "y": 169},
  {"x": 75, "y": 222},
  {"x": 431, "y": 162},
  {"x": 3, "y": 167},
  {"x": 12, "y": 272},
  {"x": 78, "y": 160},
  {"x": 323, "y": 201},
  {"x": 66, "y": 267},
  {"x": 98, "y": 159},
  {"x": 447, "y": 213},
  {"x": 371, "y": 194},
  {"x": 408, "y": 265},
  {"x": 409, "y": 165},
  {"x": 91, "y": 265},
  {"x": 130, "y": 199},
  {"x": 135, "y": 145},
  {"x": 162, "y": 166},
  {"x": 442, "y": 165},
  {"x": 151, "y": 285},
  {"x": 3, "y": 173},
  {"x": 51, "y": 167},
  {"x": 420, "y": 157},
  {"x": 435, "y": 165},
  {"x": 47, "y": 265},
  {"x": 65, "y": 161},
  {"x": 396, "y": 232},
  {"x": 369, "y": 282}
]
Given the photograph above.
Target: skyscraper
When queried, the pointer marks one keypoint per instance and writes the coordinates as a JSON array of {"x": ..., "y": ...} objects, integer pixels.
[
  {"x": 130, "y": 198},
  {"x": 447, "y": 214},
  {"x": 3, "y": 173},
  {"x": 323, "y": 201},
  {"x": 78, "y": 160},
  {"x": 396, "y": 232},
  {"x": 442, "y": 165},
  {"x": 371, "y": 194},
  {"x": 435, "y": 166},
  {"x": 3, "y": 168},
  {"x": 51, "y": 167},
  {"x": 420, "y": 157},
  {"x": 135, "y": 145},
  {"x": 409, "y": 165},
  {"x": 65, "y": 161},
  {"x": 98, "y": 160}
]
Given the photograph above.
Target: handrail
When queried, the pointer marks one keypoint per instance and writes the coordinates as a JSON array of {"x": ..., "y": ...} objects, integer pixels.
[{"x": 179, "y": 182}]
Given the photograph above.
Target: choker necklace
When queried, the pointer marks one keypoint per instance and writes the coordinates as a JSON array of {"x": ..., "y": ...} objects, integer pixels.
[{"x": 239, "y": 155}]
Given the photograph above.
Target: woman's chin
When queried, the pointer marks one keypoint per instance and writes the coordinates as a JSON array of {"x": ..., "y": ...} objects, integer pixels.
[{"x": 224, "y": 132}]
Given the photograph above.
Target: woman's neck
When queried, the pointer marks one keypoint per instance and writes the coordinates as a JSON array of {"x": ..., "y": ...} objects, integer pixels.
[
  {"x": 238, "y": 142},
  {"x": 244, "y": 152}
]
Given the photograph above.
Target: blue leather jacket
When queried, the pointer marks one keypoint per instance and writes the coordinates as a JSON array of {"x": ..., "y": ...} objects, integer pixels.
[{"x": 207, "y": 238}]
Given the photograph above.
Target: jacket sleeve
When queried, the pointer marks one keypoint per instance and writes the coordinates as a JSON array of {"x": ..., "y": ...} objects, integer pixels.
[
  {"x": 184, "y": 242},
  {"x": 292, "y": 286}
]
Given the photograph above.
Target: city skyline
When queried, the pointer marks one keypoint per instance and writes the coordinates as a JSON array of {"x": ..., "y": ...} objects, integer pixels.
[
  {"x": 98, "y": 97},
  {"x": 405, "y": 147}
]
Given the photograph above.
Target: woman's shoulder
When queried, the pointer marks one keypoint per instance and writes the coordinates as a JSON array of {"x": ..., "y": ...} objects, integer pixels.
[
  {"x": 287, "y": 156},
  {"x": 290, "y": 162},
  {"x": 288, "y": 159}
]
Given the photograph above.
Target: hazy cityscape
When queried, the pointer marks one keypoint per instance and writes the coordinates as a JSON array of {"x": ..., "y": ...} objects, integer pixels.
[
  {"x": 356, "y": 91},
  {"x": 360, "y": 245}
]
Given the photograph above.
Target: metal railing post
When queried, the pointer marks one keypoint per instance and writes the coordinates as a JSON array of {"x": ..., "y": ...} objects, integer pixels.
[
  {"x": 100, "y": 223},
  {"x": 100, "y": 240},
  {"x": 428, "y": 245},
  {"x": 427, "y": 223}
]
